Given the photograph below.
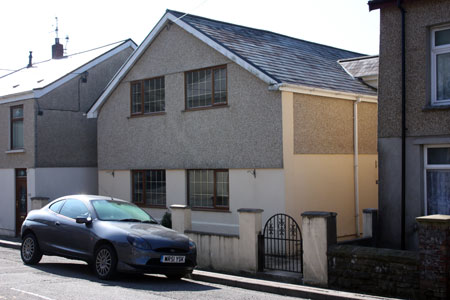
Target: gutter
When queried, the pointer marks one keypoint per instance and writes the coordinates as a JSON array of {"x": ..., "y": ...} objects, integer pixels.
[
  {"x": 403, "y": 191},
  {"x": 301, "y": 89}
]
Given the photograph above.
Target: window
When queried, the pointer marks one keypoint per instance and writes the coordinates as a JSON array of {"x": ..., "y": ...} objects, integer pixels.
[
  {"x": 147, "y": 96},
  {"x": 17, "y": 127},
  {"x": 206, "y": 87},
  {"x": 208, "y": 189},
  {"x": 74, "y": 209},
  {"x": 57, "y": 206},
  {"x": 437, "y": 180},
  {"x": 149, "y": 187},
  {"x": 440, "y": 66}
]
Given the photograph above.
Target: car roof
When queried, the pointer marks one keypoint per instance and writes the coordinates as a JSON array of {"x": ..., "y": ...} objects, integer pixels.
[{"x": 88, "y": 198}]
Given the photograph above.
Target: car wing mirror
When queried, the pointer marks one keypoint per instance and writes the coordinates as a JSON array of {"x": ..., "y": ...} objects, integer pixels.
[{"x": 84, "y": 220}]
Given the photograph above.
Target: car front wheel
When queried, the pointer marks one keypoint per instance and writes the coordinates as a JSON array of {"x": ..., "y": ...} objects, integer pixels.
[
  {"x": 29, "y": 251},
  {"x": 105, "y": 262}
]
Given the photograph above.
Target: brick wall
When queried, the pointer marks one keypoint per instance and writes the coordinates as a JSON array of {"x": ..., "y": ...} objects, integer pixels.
[{"x": 376, "y": 271}]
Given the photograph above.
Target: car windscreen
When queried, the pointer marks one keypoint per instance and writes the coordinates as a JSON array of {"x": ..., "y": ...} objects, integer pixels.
[{"x": 110, "y": 210}]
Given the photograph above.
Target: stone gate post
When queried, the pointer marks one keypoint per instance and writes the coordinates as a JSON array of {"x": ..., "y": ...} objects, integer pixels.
[
  {"x": 250, "y": 225},
  {"x": 181, "y": 217},
  {"x": 318, "y": 232}
]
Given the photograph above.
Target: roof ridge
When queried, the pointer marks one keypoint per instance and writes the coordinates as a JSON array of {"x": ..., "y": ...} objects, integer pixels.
[{"x": 262, "y": 30}]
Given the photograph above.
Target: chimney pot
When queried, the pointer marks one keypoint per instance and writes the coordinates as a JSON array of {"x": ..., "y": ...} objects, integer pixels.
[{"x": 30, "y": 60}]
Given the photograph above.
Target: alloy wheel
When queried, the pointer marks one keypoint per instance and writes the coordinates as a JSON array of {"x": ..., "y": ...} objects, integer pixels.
[
  {"x": 103, "y": 262},
  {"x": 28, "y": 248}
]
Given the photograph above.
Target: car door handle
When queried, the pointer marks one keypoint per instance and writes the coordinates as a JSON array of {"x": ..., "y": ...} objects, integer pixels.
[{"x": 57, "y": 223}]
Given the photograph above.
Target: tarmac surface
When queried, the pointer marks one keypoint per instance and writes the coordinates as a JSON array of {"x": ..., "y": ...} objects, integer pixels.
[{"x": 277, "y": 285}]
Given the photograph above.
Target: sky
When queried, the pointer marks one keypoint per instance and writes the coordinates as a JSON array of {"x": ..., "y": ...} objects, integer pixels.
[{"x": 29, "y": 25}]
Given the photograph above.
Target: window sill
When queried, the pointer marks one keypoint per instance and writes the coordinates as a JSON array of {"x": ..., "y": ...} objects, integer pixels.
[
  {"x": 15, "y": 151},
  {"x": 150, "y": 206},
  {"x": 205, "y": 108},
  {"x": 147, "y": 115},
  {"x": 223, "y": 210},
  {"x": 436, "y": 107}
]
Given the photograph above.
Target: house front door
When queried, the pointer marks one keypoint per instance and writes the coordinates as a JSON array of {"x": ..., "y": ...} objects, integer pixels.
[{"x": 21, "y": 198}]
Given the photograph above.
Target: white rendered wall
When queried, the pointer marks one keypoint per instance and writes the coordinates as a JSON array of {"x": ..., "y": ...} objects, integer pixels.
[
  {"x": 265, "y": 191},
  {"x": 7, "y": 202},
  {"x": 57, "y": 182}
]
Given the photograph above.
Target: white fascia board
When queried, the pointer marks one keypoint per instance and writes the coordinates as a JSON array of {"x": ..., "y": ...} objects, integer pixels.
[
  {"x": 324, "y": 92},
  {"x": 93, "y": 112},
  {"x": 41, "y": 92},
  {"x": 17, "y": 97}
]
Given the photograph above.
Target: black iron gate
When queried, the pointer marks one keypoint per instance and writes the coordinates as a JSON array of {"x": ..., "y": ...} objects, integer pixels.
[{"x": 280, "y": 245}]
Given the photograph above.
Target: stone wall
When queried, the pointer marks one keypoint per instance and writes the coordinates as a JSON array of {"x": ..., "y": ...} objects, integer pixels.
[{"x": 374, "y": 271}]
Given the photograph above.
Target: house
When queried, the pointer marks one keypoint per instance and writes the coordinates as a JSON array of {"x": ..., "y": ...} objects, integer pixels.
[
  {"x": 220, "y": 117},
  {"x": 414, "y": 118},
  {"x": 48, "y": 147}
]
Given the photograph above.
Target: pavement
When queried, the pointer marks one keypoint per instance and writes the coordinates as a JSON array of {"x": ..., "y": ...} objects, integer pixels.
[{"x": 276, "y": 285}]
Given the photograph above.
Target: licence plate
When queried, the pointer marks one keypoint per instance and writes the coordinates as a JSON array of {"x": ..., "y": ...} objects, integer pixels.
[{"x": 173, "y": 259}]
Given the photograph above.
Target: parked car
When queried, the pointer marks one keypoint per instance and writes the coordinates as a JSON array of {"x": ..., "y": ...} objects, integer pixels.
[{"x": 109, "y": 234}]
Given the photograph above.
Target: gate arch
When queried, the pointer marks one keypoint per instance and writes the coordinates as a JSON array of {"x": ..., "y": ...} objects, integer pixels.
[{"x": 281, "y": 245}]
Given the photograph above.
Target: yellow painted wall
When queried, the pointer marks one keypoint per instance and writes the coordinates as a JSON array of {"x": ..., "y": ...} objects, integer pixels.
[{"x": 325, "y": 182}]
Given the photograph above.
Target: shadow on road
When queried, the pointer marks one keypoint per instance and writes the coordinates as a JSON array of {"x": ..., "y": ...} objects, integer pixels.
[{"x": 146, "y": 282}]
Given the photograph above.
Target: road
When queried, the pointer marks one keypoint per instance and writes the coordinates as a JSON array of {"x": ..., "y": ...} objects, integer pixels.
[{"x": 57, "y": 278}]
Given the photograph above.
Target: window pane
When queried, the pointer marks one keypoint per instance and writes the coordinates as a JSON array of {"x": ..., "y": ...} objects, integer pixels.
[
  {"x": 136, "y": 102},
  {"x": 201, "y": 186},
  {"x": 155, "y": 188},
  {"x": 74, "y": 209},
  {"x": 438, "y": 156},
  {"x": 17, "y": 112},
  {"x": 438, "y": 192},
  {"x": 442, "y": 37},
  {"x": 220, "y": 85},
  {"x": 154, "y": 95},
  {"x": 443, "y": 76},
  {"x": 17, "y": 134},
  {"x": 222, "y": 189},
  {"x": 138, "y": 188},
  {"x": 199, "y": 88}
]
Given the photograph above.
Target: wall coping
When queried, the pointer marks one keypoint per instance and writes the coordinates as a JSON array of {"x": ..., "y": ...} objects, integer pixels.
[
  {"x": 370, "y": 210},
  {"x": 434, "y": 219},
  {"x": 318, "y": 214},
  {"x": 212, "y": 233},
  {"x": 179, "y": 206},
  {"x": 40, "y": 198},
  {"x": 250, "y": 210}
]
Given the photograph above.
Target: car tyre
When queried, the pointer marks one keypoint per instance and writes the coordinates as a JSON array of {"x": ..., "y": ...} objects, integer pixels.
[
  {"x": 105, "y": 262},
  {"x": 30, "y": 252}
]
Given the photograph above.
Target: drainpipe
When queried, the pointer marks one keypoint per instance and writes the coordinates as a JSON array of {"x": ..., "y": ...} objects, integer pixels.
[
  {"x": 356, "y": 164},
  {"x": 403, "y": 205}
]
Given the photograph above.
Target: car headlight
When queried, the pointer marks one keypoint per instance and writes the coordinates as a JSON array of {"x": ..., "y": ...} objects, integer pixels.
[
  {"x": 138, "y": 242},
  {"x": 192, "y": 245}
]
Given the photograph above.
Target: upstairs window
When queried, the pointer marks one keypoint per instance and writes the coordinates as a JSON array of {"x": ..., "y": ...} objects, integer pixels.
[
  {"x": 17, "y": 127},
  {"x": 147, "y": 96},
  {"x": 206, "y": 87},
  {"x": 440, "y": 66}
]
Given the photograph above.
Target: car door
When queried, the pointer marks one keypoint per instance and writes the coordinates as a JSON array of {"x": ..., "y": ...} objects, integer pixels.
[
  {"x": 47, "y": 235},
  {"x": 74, "y": 239}
]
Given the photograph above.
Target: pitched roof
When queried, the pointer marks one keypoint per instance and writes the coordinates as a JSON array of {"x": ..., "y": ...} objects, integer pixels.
[
  {"x": 274, "y": 58},
  {"x": 44, "y": 76},
  {"x": 283, "y": 58},
  {"x": 361, "y": 66}
]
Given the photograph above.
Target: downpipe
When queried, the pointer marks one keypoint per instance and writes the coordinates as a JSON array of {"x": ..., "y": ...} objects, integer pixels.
[{"x": 356, "y": 165}]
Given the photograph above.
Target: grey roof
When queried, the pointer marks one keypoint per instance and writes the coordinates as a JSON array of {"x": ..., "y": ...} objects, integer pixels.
[
  {"x": 283, "y": 58},
  {"x": 361, "y": 66}
]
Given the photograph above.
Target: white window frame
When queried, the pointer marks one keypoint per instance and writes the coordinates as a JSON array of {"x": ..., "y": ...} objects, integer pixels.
[
  {"x": 436, "y": 50},
  {"x": 427, "y": 167}
]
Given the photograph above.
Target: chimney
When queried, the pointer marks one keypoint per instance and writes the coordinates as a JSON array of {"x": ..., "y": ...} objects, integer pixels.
[
  {"x": 30, "y": 60},
  {"x": 57, "y": 50}
]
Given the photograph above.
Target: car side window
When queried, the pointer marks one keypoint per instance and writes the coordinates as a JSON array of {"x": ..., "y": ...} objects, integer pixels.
[
  {"x": 74, "y": 209},
  {"x": 57, "y": 206}
]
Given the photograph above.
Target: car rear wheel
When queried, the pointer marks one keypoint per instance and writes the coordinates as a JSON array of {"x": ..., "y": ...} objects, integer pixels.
[
  {"x": 105, "y": 262},
  {"x": 29, "y": 251}
]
